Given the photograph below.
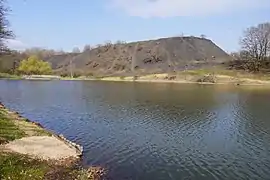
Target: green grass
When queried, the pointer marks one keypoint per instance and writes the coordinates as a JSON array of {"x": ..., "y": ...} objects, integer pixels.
[
  {"x": 9, "y": 76},
  {"x": 16, "y": 129},
  {"x": 15, "y": 166},
  {"x": 19, "y": 167},
  {"x": 9, "y": 131},
  {"x": 42, "y": 132}
]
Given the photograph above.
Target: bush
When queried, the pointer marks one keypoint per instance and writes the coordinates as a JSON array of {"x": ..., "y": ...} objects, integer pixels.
[
  {"x": 8, "y": 76},
  {"x": 89, "y": 74},
  {"x": 207, "y": 78},
  {"x": 33, "y": 65},
  {"x": 172, "y": 78},
  {"x": 135, "y": 78}
]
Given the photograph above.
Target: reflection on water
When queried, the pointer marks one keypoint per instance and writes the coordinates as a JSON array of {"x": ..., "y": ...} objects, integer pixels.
[{"x": 154, "y": 131}]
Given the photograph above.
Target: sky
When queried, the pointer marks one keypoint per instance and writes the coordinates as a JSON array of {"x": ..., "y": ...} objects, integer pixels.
[{"x": 65, "y": 24}]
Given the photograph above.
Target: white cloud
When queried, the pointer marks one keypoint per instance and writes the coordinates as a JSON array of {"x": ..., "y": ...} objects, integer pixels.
[
  {"x": 16, "y": 44},
  {"x": 171, "y": 8}
]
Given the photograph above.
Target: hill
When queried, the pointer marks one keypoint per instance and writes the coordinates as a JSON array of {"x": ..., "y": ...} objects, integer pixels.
[
  {"x": 9, "y": 61},
  {"x": 153, "y": 56},
  {"x": 162, "y": 55}
]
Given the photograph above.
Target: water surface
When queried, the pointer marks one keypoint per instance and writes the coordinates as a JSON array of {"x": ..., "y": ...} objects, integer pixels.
[{"x": 154, "y": 131}]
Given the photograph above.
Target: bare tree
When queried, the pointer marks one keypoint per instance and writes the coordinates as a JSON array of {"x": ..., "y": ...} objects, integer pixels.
[
  {"x": 59, "y": 52},
  {"x": 120, "y": 42},
  {"x": 203, "y": 36},
  {"x": 87, "y": 47},
  {"x": 40, "y": 52},
  {"x": 5, "y": 33},
  {"x": 256, "y": 43},
  {"x": 107, "y": 45},
  {"x": 76, "y": 50}
]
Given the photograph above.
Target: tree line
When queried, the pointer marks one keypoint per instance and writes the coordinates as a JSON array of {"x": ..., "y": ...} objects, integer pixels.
[{"x": 255, "y": 48}]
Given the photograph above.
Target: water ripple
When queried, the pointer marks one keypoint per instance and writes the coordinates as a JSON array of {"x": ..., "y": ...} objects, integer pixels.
[{"x": 151, "y": 131}]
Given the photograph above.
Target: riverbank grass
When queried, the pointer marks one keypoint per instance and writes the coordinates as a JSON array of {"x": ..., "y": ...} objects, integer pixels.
[
  {"x": 15, "y": 166},
  {"x": 12, "y": 165},
  {"x": 203, "y": 76},
  {"x": 226, "y": 72},
  {"x": 9, "y": 131},
  {"x": 16, "y": 127},
  {"x": 20, "y": 167},
  {"x": 9, "y": 76}
]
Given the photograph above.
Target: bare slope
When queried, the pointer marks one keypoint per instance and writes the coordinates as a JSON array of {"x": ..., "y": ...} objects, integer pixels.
[{"x": 162, "y": 55}]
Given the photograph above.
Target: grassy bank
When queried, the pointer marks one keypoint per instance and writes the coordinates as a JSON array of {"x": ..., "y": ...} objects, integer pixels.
[
  {"x": 225, "y": 72},
  {"x": 12, "y": 165},
  {"x": 9, "y": 76},
  {"x": 17, "y": 166},
  {"x": 202, "y": 76}
]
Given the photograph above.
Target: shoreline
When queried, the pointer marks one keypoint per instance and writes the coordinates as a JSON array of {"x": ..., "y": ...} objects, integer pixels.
[
  {"x": 265, "y": 83},
  {"x": 44, "y": 152},
  {"x": 178, "y": 82},
  {"x": 183, "y": 79},
  {"x": 191, "y": 77}
]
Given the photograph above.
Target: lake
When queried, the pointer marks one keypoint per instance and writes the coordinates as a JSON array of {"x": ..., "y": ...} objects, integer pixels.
[{"x": 154, "y": 131}]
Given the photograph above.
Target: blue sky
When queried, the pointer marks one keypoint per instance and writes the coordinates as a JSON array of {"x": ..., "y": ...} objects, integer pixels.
[{"x": 65, "y": 24}]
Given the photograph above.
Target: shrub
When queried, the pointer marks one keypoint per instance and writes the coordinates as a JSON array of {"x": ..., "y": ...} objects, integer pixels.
[{"x": 207, "y": 78}]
